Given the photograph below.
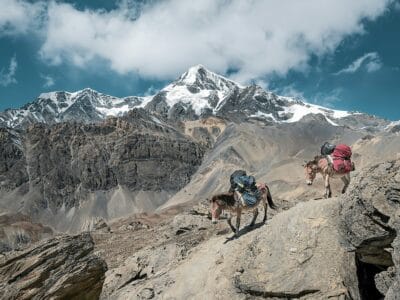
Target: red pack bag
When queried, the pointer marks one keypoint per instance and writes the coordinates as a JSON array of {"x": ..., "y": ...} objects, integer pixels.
[
  {"x": 342, "y": 165},
  {"x": 342, "y": 151},
  {"x": 341, "y": 159}
]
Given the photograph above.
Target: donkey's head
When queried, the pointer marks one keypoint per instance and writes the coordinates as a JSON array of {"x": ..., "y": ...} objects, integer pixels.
[
  {"x": 310, "y": 169},
  {"x": 262, "y": 187},
  {"x": 216, "y": 207},
  {"x": 218, "y": 203}
]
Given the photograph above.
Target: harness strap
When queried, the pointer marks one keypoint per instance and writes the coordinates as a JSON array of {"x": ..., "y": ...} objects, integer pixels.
[{"x": 240, "y": 198}]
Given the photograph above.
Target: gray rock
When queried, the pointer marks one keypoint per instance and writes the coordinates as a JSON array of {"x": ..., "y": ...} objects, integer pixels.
[
  {"x": 297, "y": 255},
  {"x": 146, "y": 293},
  {"x": 370, "y": 223},
  {"x": 384, "y": 280},
  {"x": 59, "y": 268},
  {"x": 50, "y": 171},
  {"x": 13, "y": 171}
]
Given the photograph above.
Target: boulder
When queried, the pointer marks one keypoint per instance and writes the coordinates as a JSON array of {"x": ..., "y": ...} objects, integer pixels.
[
  {"x": 370, "y": 224},
  {"x": 59, "y": 268}
]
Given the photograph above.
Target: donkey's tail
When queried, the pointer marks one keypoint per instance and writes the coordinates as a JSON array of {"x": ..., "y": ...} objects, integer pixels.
[{"x": 269, "y": 199}]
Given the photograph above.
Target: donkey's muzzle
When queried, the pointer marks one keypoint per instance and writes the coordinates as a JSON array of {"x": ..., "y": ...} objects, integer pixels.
[
  {"x": 309, "y": 182},
  {"x": 214, "y": 221}
]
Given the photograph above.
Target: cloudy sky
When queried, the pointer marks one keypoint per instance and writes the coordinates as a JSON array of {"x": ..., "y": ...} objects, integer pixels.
[{"x": 338, "y": 53}]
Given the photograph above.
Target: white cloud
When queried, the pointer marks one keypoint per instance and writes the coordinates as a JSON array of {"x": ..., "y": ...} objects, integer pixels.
[
  {"x": 371, "y": 61},
  {"x": 328, "y": 99},
  {"x": 373, "y": 65},
  {"x": 19, "y": 17},
  {"x": 150, "y": 91},
  {"x": 48, "y": 80},
  {"x": 255, "y": 37},
  {"x": 7, "y": 77},
  {"x": 290, "y": 91},
  {"x": 164, "y": 38},
  {"x": 261, "y": 82}
]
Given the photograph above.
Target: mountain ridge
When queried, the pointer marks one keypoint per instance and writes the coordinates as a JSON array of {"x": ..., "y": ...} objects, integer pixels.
[{"x": 197, "y": 93}]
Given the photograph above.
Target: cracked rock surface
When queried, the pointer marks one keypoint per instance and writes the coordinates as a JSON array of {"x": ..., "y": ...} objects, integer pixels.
[
  {"x": 296, "y": 255},
  {"x": 60, "y": 268},
  {"x": 371, "y": 223}
]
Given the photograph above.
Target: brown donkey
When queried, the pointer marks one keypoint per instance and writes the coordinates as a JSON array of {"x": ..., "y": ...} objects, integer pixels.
[
  {"x": 234, "y": 203},
  {"x": 321, "y": 164}
]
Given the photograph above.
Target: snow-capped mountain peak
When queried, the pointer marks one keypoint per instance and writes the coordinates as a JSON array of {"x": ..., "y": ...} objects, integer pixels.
[
  {"x": 191, "y": 75},
  {"x": 198, "y": 89},
  {"x": 196, "y": 93},
  {"x": 86, "y": 106},
  {"x": 203, "y": 78},
  {"x": 199, "y": 92}
]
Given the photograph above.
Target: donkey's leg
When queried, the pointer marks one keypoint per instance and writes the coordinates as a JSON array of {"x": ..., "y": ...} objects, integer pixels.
[
  {"x": 255, "y": 214},
  {"x": 346, "y": 181},
  {"x": 265, "y": 210},
  {"x": 229, "y": 220},
  {"x": 238, "y": 215},
  {"x": 328, "y": 192}
]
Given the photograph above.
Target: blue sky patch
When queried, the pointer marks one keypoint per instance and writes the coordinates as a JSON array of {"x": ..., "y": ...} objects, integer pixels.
[{"x": 344, "y": 55}]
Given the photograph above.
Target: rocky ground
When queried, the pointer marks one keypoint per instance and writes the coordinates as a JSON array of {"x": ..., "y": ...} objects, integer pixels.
[
  {"x": 341, "y": 248},
  {"x": 346, "y": 247}
]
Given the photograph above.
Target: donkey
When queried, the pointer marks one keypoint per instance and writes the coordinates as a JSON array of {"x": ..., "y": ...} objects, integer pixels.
[
  {"x": 234, "y": 203},
  {"x": 321, "y": 164}
]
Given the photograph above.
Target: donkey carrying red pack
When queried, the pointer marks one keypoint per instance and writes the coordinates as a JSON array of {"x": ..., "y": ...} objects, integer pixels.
[{"x": 335, "y": 161}]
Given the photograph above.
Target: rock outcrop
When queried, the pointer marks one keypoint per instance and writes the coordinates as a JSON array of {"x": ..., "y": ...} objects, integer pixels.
[
  {"x": 59, "y": 268},
  {"x": 371, "y": 226}
]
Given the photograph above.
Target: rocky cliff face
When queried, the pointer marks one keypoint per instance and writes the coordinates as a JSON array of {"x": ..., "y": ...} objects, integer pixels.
[
  {"x": 58, "y": 168},
  {"x": 12, "y": 160},
  {"x": 370, "y": 220},
  {"x": 59, "y": 268}
]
